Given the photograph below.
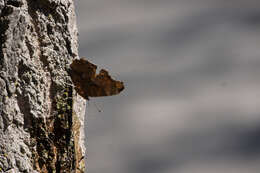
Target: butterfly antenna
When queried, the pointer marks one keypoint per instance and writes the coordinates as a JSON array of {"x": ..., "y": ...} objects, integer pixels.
[{"x": 99, "y": 110}]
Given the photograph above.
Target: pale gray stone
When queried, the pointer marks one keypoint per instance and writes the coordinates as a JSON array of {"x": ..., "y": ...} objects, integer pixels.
[{"x": 38, "y": 41}]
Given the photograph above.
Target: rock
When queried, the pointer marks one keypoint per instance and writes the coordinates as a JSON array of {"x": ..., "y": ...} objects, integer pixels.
[{"x": 38, "y": 40}]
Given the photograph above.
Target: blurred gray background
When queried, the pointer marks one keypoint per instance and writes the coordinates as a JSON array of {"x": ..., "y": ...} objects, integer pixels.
[{"x": 192, "y": 76}]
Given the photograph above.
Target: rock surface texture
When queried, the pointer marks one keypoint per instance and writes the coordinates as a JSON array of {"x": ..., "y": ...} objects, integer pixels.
[{"x": 41, "y": 117}]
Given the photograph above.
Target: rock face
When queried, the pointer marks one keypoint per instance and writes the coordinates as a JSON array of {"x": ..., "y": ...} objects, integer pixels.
[{"x": 41, "y": 117}]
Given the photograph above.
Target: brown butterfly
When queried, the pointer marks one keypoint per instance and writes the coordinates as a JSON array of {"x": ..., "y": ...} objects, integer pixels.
[{"x": 88, "y": 84}]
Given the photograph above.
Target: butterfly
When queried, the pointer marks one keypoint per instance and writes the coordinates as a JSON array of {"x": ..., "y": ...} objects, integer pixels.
[{"x": 89, "y": 84}]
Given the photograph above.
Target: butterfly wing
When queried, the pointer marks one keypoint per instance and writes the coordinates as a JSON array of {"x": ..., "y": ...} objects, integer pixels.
[
  {"x": 104, "y": 85},
  {"x": 81, "y": 74},
  {"x": 87, "y": 83},
  {"x": 84, "y": 68}
]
